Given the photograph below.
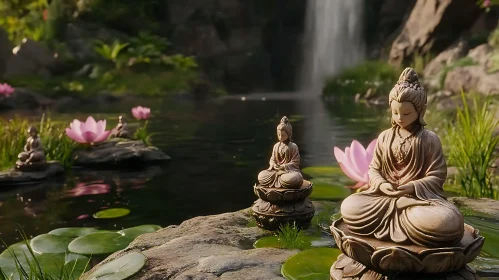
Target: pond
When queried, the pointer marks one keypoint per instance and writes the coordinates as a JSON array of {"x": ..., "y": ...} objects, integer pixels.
[{"x": 217, "y": 149}]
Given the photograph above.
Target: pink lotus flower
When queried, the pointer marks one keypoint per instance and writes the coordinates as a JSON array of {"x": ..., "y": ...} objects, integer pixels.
[
  {"x": 355, "y": 162},
  {"x": 141, "y": 113},
  {"x": 486, "y": 3},
  {"x": 89, "y": 131},
  {"x": 6, "y": 90}
]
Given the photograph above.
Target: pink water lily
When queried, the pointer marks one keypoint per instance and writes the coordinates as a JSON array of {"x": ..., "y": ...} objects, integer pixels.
[
  {"x": 354, "y": 162},
  {"x": 89, "y": 131},
  {"x": 6, "y": 90},
  {"x": 141, "y": 113}
]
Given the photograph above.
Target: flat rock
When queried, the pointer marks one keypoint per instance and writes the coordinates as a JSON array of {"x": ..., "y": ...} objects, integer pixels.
[
  {"x": 119, "y": 152},
  {"x": 207, "y": 247},
  {"x": 15, "y": 177},
  {"x": 483, "y": 205}
]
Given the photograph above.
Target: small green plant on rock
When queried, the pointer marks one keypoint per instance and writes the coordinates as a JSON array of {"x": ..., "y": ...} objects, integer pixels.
[
  {"x": 290, "y": 235},
  {"x": 472, "y": 143}
]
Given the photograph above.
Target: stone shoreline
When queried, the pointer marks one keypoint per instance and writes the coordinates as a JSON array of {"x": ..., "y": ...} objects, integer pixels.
[{"x": 221, "y": 247}]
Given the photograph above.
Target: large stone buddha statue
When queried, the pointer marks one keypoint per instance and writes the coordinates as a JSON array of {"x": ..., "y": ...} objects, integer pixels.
[{"x": 405, "y": 201}]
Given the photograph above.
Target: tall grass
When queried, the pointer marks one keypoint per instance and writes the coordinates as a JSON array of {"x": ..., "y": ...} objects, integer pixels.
[
  {"x": 419, "y": 62},
  {"x": 13, "y": 135},
  {"x": 472, "y": 142},
  {"x": 290, "y": 235}
]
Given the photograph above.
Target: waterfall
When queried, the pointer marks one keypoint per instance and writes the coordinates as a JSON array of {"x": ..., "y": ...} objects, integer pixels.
[{"x": 333, "y": 41}]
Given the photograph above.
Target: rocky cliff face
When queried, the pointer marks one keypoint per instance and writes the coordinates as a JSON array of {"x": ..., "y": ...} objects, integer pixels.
[{"x": 248, "y": 45}]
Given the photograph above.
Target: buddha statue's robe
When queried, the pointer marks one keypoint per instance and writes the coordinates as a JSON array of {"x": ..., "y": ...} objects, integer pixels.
[
  {"x": 372, "y": 213},
  {"x": 286, "y": 155}
]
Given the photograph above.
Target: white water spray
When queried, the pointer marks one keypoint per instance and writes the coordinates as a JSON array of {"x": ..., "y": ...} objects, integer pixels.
[{"x": 333, "y": 41}]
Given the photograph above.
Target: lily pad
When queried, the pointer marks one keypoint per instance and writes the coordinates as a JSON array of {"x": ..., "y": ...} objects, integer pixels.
[
  {"x": 322, "y": 171},
  {"x": 73, "y": 231},
  {"x": 324, "y": 191},
  {"x": 99, "y": 243},
  {"x": 50, "y": 244},
  {"x": 112, "y": 213},
  {"x": 311, "y": 264},
  {"x": 489, "y": 228},
  {"x": 7, "y": 261},
  {"x": 136, "y": 231},
  {"x": 120, "y": 268}
]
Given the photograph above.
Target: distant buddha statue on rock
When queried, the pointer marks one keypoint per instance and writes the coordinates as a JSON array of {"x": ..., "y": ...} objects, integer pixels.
[
  {"x": 405, "y": 203},
  {"x": 284, "y": 169},
  {"x": 33, "y": 151},
  {"x": 121, "y": 129}
]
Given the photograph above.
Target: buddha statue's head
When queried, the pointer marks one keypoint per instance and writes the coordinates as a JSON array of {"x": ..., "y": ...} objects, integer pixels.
[
  {"x": 284, "y": 130},
  {"x": 32, "y": 131},
  {"x": 407, "y": 100}
]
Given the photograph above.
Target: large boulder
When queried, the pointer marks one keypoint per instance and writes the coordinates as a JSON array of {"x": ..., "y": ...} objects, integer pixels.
[
  {"x": 23, "y": 98},
  {"x": 15, "y": 177},
  {"x": 432, "y": 26},
  {"x": 207, "y": 247},
  {"x": 30, "y": 57}
]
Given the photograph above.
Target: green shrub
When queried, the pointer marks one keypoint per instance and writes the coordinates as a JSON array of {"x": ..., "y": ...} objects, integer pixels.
[
  {"x": 471, "y": 142},
  {"x": 379, "y": 76},
  {"x": 13, "y": 135}
]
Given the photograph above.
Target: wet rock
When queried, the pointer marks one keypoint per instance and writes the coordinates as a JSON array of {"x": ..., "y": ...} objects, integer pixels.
[
  {"x": 444, "y": 21},
  {"x": 119, "y": 152},
  {"x": 208, "y": 247},
  {"x": 14, "y": 177}
]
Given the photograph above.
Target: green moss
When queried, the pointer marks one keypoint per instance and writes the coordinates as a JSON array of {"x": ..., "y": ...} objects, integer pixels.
[{"x": 377, "y": 75}]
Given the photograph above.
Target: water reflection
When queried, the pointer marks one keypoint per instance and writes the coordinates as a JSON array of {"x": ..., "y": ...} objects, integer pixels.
[{"x": 217, "y": 150}]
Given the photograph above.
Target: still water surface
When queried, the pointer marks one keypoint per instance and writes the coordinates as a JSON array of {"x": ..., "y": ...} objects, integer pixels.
[{"x": 217, "y": 150}]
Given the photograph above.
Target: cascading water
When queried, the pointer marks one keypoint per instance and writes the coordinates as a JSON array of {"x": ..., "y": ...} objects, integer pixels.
[{"x": 333, "y": 41}]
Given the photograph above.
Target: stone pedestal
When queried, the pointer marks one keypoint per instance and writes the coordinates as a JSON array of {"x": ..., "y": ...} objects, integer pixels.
[
  {"x": 369, "y": 258},
  {"x": 276, "y": 207}
]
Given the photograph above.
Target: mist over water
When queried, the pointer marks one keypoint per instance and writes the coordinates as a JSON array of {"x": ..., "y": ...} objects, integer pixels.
[{"x": 333, "y": 41}]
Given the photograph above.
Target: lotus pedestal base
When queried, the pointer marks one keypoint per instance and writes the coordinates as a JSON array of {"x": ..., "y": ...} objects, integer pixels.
[
  {"x": 347, "y": 268},
  {"x": 271, "y": 216}
]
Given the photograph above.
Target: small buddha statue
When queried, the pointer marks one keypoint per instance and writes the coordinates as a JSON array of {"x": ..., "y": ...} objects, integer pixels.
[
  {"x": 284, "y": 169},
  {"x": 33, "y": 151},
  {"x": 121, "y": 129},
  {"x": 405, "y": 202}
]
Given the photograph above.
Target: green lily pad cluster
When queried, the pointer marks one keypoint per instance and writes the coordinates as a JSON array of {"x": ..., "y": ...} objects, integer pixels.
[
  {"x": 68, "y": 249},
  {"x": 329, "y": 182}
]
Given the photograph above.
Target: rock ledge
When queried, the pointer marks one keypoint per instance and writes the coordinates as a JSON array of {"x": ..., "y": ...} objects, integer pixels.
[
  {"x": 119, "y": 152},
  {"x": 15, "y": 177}
]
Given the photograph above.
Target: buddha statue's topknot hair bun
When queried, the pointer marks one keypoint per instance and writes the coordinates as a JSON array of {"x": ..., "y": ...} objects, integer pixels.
[
  {"x": 286, "y": 126},
  {"x": 409, "y": 79}
]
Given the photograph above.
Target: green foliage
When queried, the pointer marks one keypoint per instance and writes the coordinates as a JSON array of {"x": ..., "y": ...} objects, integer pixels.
[
  {"x": 56, "y": 20},
  {"x": 494, "y": 37},
  {"x": 379, "y": 76},
  {"x": 462, "y": 62},
  {"x": 419, "y": 62},
  {"x": 472, "y": 148},
  {"x": 23, "y": 19},
  {"x": 113, "y": 53},
  {"x": 142, "y": 134},
  {"x": 290, "y": 236},
  {"x": 13, "y": 135}
]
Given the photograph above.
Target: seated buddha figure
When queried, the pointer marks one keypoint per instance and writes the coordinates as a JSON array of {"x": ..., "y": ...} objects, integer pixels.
[
  {"x": 405, "y": 203},
  {"x": 33, "y": 149},
  {"x": 284, "y": 169}
]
